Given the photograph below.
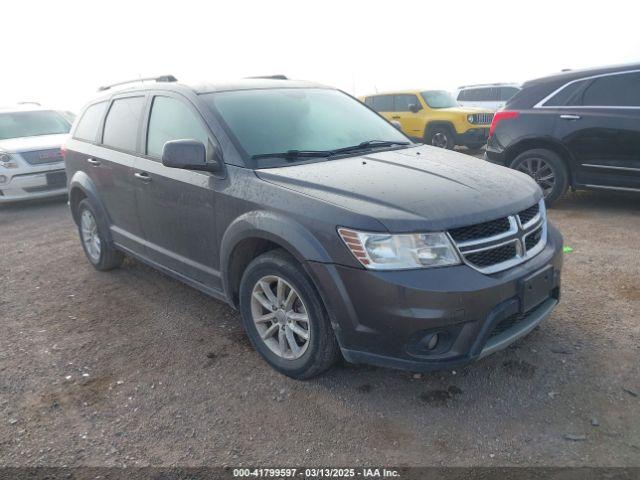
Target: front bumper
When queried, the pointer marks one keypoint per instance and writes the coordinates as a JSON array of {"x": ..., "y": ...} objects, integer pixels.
[
  {"x": 384, "y": 318},
  {"x": 473, "y": 136},
  {"x": 27, "y": 185}
]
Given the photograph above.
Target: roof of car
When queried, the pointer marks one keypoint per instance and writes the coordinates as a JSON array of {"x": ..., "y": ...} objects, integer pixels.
[
  {"x": 480, "y": 85},
  {"x": 535, "y": 90},
  {"x": 23, "y": 107},
  {"x": 401, "y": 92}
]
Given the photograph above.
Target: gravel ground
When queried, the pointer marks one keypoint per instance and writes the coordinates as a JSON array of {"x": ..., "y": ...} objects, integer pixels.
[{"x": 133, "y": 368}]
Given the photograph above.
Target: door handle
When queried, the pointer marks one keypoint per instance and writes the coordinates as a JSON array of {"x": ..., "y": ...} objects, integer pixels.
[
  {"x": 94, "y": 162},
  {"x": 143, "y": 176},
  {"x": 570, "y": 117},
  {"x": 396, "y": 117}
]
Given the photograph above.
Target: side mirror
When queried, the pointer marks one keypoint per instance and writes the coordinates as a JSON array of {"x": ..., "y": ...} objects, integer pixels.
[
  {"x": 413, "y": 108},
  {"x": 188, "y": 155},
  {"x": 396, "y": 124}
]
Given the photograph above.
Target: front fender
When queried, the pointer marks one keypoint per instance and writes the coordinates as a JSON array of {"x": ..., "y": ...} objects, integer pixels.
[
  {"x": 284, "y": 231},
  {"x": 81, "y": 183}
]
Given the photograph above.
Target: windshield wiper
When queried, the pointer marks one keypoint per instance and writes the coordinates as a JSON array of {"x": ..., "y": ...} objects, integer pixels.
[
  {"x": 294, "y": 154},
  {"x": 366, "y": 145}
]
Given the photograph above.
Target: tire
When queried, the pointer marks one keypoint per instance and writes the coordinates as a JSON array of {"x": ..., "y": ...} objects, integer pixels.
[
  {"x": 105, "y": 257},
  {"x": 319, "y": 351},
  {"x": 440, "y": 136},
  {"x": 547, "y": 169}
]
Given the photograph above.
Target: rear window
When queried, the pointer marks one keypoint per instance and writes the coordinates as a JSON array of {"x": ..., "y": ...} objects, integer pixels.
[
  {"x": 32, "y": 124},
  {"x": 89, "y": 124},
  {"x": 122, "y": 123}
]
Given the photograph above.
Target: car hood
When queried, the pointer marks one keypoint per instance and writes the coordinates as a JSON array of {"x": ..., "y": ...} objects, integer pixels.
[
  {"x": 415, "y": 189},
  {"x": 24, "y": 144}
]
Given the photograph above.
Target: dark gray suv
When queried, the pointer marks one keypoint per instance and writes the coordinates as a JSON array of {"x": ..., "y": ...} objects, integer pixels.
[{"x": 328, "y": 229}]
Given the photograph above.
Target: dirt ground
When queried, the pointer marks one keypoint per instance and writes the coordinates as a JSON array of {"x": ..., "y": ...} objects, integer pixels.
[{"x": 133, "y": 368}]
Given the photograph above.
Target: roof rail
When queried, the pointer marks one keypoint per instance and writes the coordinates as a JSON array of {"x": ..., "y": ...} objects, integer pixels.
[
  {"x": 160, "y": 79},
  {"x": 29, "y": 103},
  {"x": 270, "y": 77}
]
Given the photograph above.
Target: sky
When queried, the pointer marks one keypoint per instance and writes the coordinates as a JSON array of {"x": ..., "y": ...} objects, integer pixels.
[{"x": 59, "y": 52}]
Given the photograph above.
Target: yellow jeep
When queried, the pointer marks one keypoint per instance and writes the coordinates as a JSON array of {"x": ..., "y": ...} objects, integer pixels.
[{"x": 433, "y": 117}]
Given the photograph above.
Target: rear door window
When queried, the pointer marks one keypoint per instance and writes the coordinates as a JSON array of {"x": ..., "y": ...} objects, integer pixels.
[
  {"x": 172, "y": 119},
  {"x": 89, "y": 124},
  {"x": 122, "y": 123},
  {"x": 622, "y": 90}
]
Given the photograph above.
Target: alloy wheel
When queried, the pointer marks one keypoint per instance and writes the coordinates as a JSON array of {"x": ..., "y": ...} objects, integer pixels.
[
  {"x": 540, "y": 171},
  {"x": 439, "y": 139},
  {"x": 90, "y": 237},
  {"x": 281, "y": 317}
]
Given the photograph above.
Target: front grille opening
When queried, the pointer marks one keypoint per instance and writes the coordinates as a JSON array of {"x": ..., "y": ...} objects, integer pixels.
[
  {"x": 533, "y": 239},
  {"x": 527, "y": 215},
  {"x": 506, "y": 324},
  {"x": 480, "y": 230},
  {"x": 487, "y": 258},
  {"x": 40, "y": 157}
]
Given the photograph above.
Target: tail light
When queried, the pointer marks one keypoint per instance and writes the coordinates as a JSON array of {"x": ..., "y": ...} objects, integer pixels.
[{"x": 499, "y": 116}]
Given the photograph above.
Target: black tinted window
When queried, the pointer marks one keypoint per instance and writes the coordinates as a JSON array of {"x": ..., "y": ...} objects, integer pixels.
[
  {"x": 89, "y": 124},
  {"x": 479, "y": 95},
  {"x": 383, "y": 103},
  {"x": 462, "y": 95},
  {"x": 505, "y": 93},
  {"x": 402, "y": 102},
  {"x": 613, "y": 91},
  {"x": 121, "y": 125},
  {"x": 567, "y": 95},
  {"x": 171, "y": 119},
  {"x": 368, "y": 101}
]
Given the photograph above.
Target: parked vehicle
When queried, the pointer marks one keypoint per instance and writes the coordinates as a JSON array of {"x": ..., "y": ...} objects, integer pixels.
[
  {"x": 490, "y": 96},
  {"x": 578, "y": 129},
  {"x": 433, "y": 117},
  {"x": 31, "y": 163},
  {"x": 325, "y": 226}
]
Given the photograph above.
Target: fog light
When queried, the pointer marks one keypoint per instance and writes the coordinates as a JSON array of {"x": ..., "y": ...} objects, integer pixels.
[
  {"x": 433, "y": 341},
  {"x": 3, "y": 179}
]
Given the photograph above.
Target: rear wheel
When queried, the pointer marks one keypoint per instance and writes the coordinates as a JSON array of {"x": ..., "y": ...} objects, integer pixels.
[
  {"x": 440, "y": 136},
  {"x": 285, "y": 318},
  {"x": 547, "y": 169},
  {"x": 101, "y": 255}
]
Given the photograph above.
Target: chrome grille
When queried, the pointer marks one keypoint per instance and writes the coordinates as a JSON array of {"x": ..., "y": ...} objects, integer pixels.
[
  {"x": 483, "y": 118},
  {"x": 38, "y": 157},
  {"x": 499, "y": 244}
]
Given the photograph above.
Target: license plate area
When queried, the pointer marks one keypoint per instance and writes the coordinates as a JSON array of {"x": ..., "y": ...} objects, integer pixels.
[
  {"x": 57, "y": 179},
  {"x": 536, "y": 288}
]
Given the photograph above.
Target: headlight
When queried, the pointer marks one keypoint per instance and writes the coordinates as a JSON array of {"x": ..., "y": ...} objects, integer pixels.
[
  {"x": 471, "y": 118},
  {"x": 383, "y": 251},
  {"x": 7, "y": 161}
]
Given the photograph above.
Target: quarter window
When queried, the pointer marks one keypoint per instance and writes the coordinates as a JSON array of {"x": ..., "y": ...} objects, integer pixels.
[
  {"x": 89, "y": 124},
  {"x": 505, "y": 93},
  {"x": 122, "y": 123},
  {"x": 171, "y": 119},
  {"x": 621, "y": 90}
]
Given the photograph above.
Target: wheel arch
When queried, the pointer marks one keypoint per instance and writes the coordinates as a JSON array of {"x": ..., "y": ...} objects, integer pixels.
[
  {"x": 80, "y": 187},
  {"x": 255, "y": 233},
  {"x": 547, "y": 143},
  {"x": 439, "y": 123}
]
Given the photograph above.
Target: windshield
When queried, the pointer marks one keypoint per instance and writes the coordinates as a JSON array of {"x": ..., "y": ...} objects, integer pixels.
[
  {"x": 298, "y": 119},
  {"x": 439, "y": 99},
  {"x": 32, "y": 124}
]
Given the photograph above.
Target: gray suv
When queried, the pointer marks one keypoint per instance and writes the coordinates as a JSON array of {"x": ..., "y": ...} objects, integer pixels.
[{"x": 332, "y": 233}]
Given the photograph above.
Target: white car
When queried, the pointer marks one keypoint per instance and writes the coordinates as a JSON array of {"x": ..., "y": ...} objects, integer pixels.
[
  {"x": 491, "y": 96},
  {"x": 31, "y": 161}
]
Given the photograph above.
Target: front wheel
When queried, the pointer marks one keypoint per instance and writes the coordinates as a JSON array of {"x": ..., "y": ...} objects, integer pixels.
[
  {"x": 547, "y": 169},
  {"x": 440, "y": 136},
  {"x": 285, "y": 318},
  {"x": 101, "y": 255}
]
